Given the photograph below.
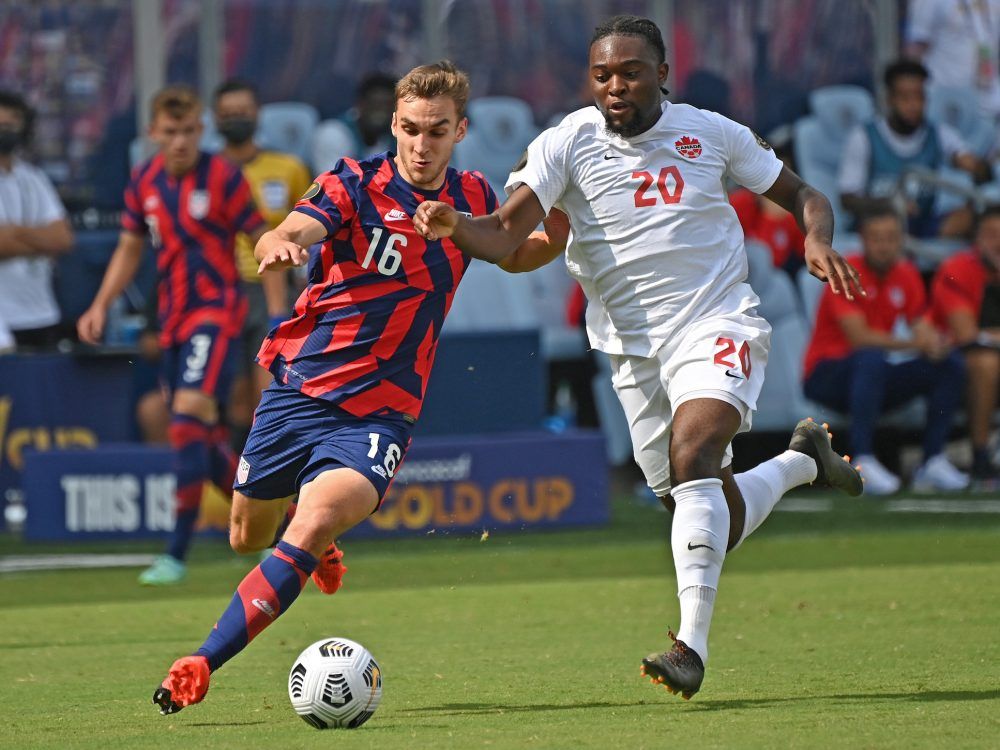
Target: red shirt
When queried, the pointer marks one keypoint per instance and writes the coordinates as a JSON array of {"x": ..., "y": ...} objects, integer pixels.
[
  {"x": 899, "y": 293},
  {"x": 192, "y": 221},
  {"x": 959, "y": 284},
  {"x": 780, "y": 233}
]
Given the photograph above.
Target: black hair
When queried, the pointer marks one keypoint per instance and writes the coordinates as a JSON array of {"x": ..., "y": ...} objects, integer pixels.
[
  {"x": 233, "y": 85},
  {"x": 877, "y": 209},
  {"x": 632, "y": 26},
  {"x": 904, "y": 69},
  {"x": 374, "y": 82},
  {"x": 13, "y": 100},
  {"x": 989, "y": 211}
]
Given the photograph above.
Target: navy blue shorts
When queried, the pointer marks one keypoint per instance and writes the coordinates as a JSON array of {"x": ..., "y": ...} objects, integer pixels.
[
  {"x": 296, "y": 437},
  {"x": 205, "y": 362}
]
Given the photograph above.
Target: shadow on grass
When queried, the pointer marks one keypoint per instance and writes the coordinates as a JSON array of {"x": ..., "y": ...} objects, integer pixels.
[
  {"x": 226, "y": 723},
  {"x": 930, "y": 696},
  {"x": 473, "y": 709}
]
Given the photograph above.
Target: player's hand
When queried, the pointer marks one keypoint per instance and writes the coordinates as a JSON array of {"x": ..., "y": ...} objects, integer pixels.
[
  {"x": 826, "y": 264},
  {"x": 435, "y": 220},
  {"x": 90, "y": 326},
  {"x": 279, "y": 254}
]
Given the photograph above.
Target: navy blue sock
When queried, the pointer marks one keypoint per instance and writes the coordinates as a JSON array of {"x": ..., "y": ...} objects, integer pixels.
[{"x": 266, "y": 592}]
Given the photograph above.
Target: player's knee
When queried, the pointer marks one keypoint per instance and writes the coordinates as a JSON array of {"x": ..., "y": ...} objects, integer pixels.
[
  {"x": 696, "y": 458},
  {"x": 244, "y": 541},
  {"x": 195, "y": 404}
]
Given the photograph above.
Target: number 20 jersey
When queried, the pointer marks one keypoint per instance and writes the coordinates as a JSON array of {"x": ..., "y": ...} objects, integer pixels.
[
  {"x": 656, "y": 245},
  {"x": 365, "y": 329}
]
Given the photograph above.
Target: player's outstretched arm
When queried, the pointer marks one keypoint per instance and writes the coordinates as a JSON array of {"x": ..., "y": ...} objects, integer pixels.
[
  {"x": 288, "y": 243},
  {"x": 489, "y": 238},
  {"x": 121, "y": 270},
  {"x": 541, "y": 248},
  {"x": 814, "y": 215}
]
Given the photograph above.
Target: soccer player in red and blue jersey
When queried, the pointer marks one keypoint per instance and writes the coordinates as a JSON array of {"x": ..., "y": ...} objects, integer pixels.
[
  {"x": 191, "y": 205},
  {"x": 351, "y": 365}
]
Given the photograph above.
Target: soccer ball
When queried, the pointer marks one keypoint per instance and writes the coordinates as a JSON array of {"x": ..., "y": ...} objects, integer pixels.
[{"x": 335, "y": 683}]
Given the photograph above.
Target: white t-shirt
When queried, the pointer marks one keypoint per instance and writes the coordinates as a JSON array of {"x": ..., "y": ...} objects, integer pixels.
[
  {"x": 27, "y": 199},
  {"x": 856, "y": 157},
  {"x": 955, "y": 31},
  {"x": 655, "y": 243}
]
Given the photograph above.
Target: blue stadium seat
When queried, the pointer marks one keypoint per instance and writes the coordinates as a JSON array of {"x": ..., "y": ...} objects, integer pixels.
[
  {"x": 500, "y": 128},
  {"x": 959, "y": 108},
  {"x": 288, "y": 127},
  {"x": 840, "y": 108},
  {"x": 332, "y": 140}
]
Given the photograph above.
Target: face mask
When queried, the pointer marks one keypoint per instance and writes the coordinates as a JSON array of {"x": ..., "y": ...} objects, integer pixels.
[
  {"x": 237, "y": 129},
  {"x": 9, "y": 140}
]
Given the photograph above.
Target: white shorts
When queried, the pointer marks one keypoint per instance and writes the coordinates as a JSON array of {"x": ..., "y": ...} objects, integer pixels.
[{"x": 721, "y": 357}]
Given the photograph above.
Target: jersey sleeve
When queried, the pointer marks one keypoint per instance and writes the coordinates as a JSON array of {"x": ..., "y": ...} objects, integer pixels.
[
  {"x": 332, "y": 198},
  {"x": 751, "y": 161},
  {"x": 544, "y": 168},
  {"x": 241, "y": 211},
  {"x": 948, "y": 292},
  {"x": 133, "y": 219}
]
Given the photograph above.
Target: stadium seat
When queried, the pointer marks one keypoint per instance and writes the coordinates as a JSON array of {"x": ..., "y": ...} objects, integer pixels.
[
  {"x": 490, "y": 299},
  {"x": 288, "y": 127},
  {"x": 959, "y": 108},
  {"x": 810, "y": 291},
  {"x": 332, "y": 140},
  {"x": 840, "y": 108},
  {"x": 500, "y": 128}
]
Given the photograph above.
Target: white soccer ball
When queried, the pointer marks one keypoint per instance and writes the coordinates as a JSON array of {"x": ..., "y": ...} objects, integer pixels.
[{"x": 335, "y": 683}]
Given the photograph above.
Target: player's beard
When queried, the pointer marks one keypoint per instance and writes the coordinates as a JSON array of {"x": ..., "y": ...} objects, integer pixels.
[{"x": 627, "y": 129}]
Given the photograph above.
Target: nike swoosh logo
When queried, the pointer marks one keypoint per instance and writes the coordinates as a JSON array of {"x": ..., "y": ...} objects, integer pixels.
[
  {"x": 696, "y": 546},
  {"x": 733, "y": 376},
  {"x": 612, "y": 156}
]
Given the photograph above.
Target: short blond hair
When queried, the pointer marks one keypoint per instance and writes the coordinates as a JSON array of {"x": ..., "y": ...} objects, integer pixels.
[
  {"x": 437, "y": 79},
  {"x": 175, "y": 101}
]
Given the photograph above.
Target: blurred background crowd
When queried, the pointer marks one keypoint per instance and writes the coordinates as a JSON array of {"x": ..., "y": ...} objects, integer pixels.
[{"x": 889, "y": 107}]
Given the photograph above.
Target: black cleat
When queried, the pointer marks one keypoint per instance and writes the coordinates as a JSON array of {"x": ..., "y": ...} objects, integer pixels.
[
  {"x": 680, "y": 670},
  {"x": 831, "y": 468},
  {"x": 163, "y": 699}
]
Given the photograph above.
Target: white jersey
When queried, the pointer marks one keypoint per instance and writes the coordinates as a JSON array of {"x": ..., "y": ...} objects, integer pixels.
[
  {"x": 27, "y": 199},
  {"x": 655, "y": 243}
]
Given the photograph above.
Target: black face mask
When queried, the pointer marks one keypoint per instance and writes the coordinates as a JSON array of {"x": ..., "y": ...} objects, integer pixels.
[
  {"x": 237, "y": 130},
  {"x": 9, "y": 140}
]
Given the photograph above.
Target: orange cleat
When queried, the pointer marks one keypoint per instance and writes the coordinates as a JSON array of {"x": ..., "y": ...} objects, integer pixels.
[
  {"x": 329, "y": 574},
  {"x": 185, "y": 685}
]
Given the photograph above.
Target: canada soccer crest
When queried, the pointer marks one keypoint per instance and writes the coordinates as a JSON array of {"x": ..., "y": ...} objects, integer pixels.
[
  {"x": 198, "y": 204},
  {"x": 688, "y": 147}
]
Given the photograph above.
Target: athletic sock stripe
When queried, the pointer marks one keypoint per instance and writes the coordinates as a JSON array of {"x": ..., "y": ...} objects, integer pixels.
[{"x": 256, "y": 587}]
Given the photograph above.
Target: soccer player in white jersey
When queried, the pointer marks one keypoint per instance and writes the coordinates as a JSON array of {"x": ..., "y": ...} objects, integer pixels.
[{"x": 659, "y": 253}]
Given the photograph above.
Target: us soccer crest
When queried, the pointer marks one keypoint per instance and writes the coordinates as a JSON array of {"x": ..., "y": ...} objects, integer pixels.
[
  {"x": 198, "y": 203},
  {"x": 688, "y": 147}
]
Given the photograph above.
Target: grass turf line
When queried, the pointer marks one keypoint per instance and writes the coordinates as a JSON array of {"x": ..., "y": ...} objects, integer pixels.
[{"x": 874, "y": 634}]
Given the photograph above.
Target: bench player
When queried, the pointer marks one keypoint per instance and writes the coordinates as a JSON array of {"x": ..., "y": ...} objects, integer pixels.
[
  {"x": 191, "y": 205},
  {"x": 659, "y": 252},
  {"x": 350, "y": 367}
]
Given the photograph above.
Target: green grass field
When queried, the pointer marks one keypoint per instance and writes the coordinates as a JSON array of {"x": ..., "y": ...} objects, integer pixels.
[{"x": 856, "y": 628}]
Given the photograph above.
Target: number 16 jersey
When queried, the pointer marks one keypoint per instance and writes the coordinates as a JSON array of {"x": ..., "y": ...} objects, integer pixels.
[
  {"x": 655, "y": 245},
  {"x": 365, "y": 329}
]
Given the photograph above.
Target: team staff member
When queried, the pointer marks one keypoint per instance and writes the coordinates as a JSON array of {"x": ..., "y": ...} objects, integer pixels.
[{"x": 276, "y": 181}]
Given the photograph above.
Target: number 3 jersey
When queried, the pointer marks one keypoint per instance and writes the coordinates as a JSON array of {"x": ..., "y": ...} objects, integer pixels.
[
  {"x": 366, "y": 327},
  {"x": 655, "y": 244}
]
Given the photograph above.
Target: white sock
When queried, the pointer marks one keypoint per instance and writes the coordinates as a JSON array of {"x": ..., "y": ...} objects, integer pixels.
[
  {"x": 697, "y": 604},
  {"x": 763, "y": 486},
  {"x": 698, "y": 540}
]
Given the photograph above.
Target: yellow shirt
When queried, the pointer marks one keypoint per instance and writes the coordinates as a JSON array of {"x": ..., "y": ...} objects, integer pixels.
[{"x": 277, "y": 181}]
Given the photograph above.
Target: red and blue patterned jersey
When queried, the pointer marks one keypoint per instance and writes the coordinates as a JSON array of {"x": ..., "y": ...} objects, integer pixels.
[
  {"x": 192, "y": 221},
  {"x": 366, "y": 327}
]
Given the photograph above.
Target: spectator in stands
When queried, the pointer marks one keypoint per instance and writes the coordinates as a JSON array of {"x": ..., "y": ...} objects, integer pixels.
[
  {"x": 33, "y": 231},
  {"x": 882, "y": 351},
  {"x": 878, "y": 154},
  {"x": 958, "y": 41},
  {"x": 365, "y": 129},
  {"x": 277, "y": 181},
  {"x": 769, "y": 223},
  {"x": 966, "y": 301}
]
